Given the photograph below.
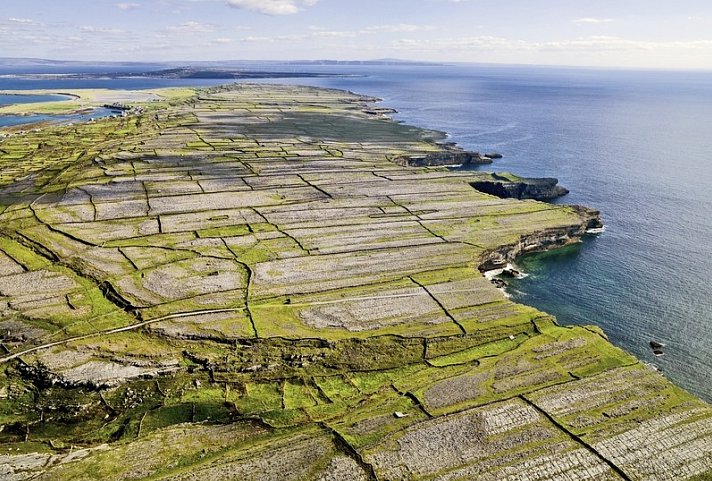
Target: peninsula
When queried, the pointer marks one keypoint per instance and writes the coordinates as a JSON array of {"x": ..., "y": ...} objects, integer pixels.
[{"x": 255, "y": 282}]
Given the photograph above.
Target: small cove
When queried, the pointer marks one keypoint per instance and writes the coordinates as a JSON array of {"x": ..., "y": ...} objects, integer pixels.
[{"x": 15, "y": 99}]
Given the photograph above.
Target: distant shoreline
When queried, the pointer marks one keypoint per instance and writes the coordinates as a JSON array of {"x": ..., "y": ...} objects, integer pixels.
[{"x": 178, "y": 73}]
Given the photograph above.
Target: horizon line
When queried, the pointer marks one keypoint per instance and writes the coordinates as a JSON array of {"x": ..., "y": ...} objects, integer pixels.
[{"x": 379, "y": 60}]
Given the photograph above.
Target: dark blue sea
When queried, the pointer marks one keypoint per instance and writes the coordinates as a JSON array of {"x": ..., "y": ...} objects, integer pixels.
[{"x": 635, "y": 144}]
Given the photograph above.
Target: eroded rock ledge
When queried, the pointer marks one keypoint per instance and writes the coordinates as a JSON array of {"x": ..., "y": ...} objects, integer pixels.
[
  {"x": 544, "y": 240},
  {"x": 508, "y": 186},
  {"x": 447, "y": 157}
]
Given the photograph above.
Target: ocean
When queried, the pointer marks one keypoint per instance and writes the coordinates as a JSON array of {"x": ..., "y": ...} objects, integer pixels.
[{"x": 636, "y": 145}]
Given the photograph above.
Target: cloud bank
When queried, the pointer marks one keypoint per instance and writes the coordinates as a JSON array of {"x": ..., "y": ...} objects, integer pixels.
[
  {"x": 593, "y": 20},
  {"x": 272, "y": 7}
]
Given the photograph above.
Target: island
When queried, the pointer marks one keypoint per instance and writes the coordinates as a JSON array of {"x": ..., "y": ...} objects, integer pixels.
[{"x": 251, "y": 282}]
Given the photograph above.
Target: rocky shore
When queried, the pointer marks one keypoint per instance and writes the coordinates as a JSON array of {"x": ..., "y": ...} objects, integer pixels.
[{"x": 257, "y": 282}]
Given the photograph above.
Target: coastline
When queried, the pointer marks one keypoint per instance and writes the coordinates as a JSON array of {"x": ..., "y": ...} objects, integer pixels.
[
  {"x": 79, "y": 100},
  {"x": 326, "y": 239}
]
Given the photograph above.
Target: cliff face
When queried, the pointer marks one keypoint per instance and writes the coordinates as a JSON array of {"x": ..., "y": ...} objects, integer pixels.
[
  {"x": 512, "y": 187},
  {"x": 543, "y": 240},
  {"x": 446, "y": 157}
]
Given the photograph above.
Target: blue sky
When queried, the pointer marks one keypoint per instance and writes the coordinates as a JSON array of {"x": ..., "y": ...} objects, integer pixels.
[{"x": 623, "y": 33}]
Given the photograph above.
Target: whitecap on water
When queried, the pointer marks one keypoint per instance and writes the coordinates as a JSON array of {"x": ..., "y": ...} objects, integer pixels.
[{"x": 512, "y": 268}]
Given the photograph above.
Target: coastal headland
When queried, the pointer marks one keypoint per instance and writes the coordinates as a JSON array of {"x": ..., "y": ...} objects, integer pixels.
[{"x": 255, "y": 282}]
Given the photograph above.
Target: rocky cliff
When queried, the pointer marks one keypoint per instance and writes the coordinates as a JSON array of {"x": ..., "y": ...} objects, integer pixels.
[
  {"x": 508, "y": 186},
  {"x": 543, "y": 240},
  {"x": 448, "y": 156}
]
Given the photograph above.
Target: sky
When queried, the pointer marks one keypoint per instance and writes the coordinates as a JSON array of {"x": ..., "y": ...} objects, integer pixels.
[{"x": 668, "y": 34}]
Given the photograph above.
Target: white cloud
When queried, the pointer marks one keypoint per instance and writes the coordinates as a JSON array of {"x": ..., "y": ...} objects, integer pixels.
[
  {"x": 482, "y": 42},
  {"x": 107, "y": 30},
  {"x": 399, "y": 28},
  {"x": 191, "y": 27},
  {"x": 37, "y": 39},
  {"x": 327, "y": 34},
  {"x": 255, "y": 39},
  {"x": 593, "y": 20},
  {"x": 128, "y": 6},
  {"x": 272, "y": 7},
  {"x": 25, "y": 21},
  {"x": 602, "y": 43},
  {"x": 598, "y": 43},
  {"x": 314, "y": 34}
]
